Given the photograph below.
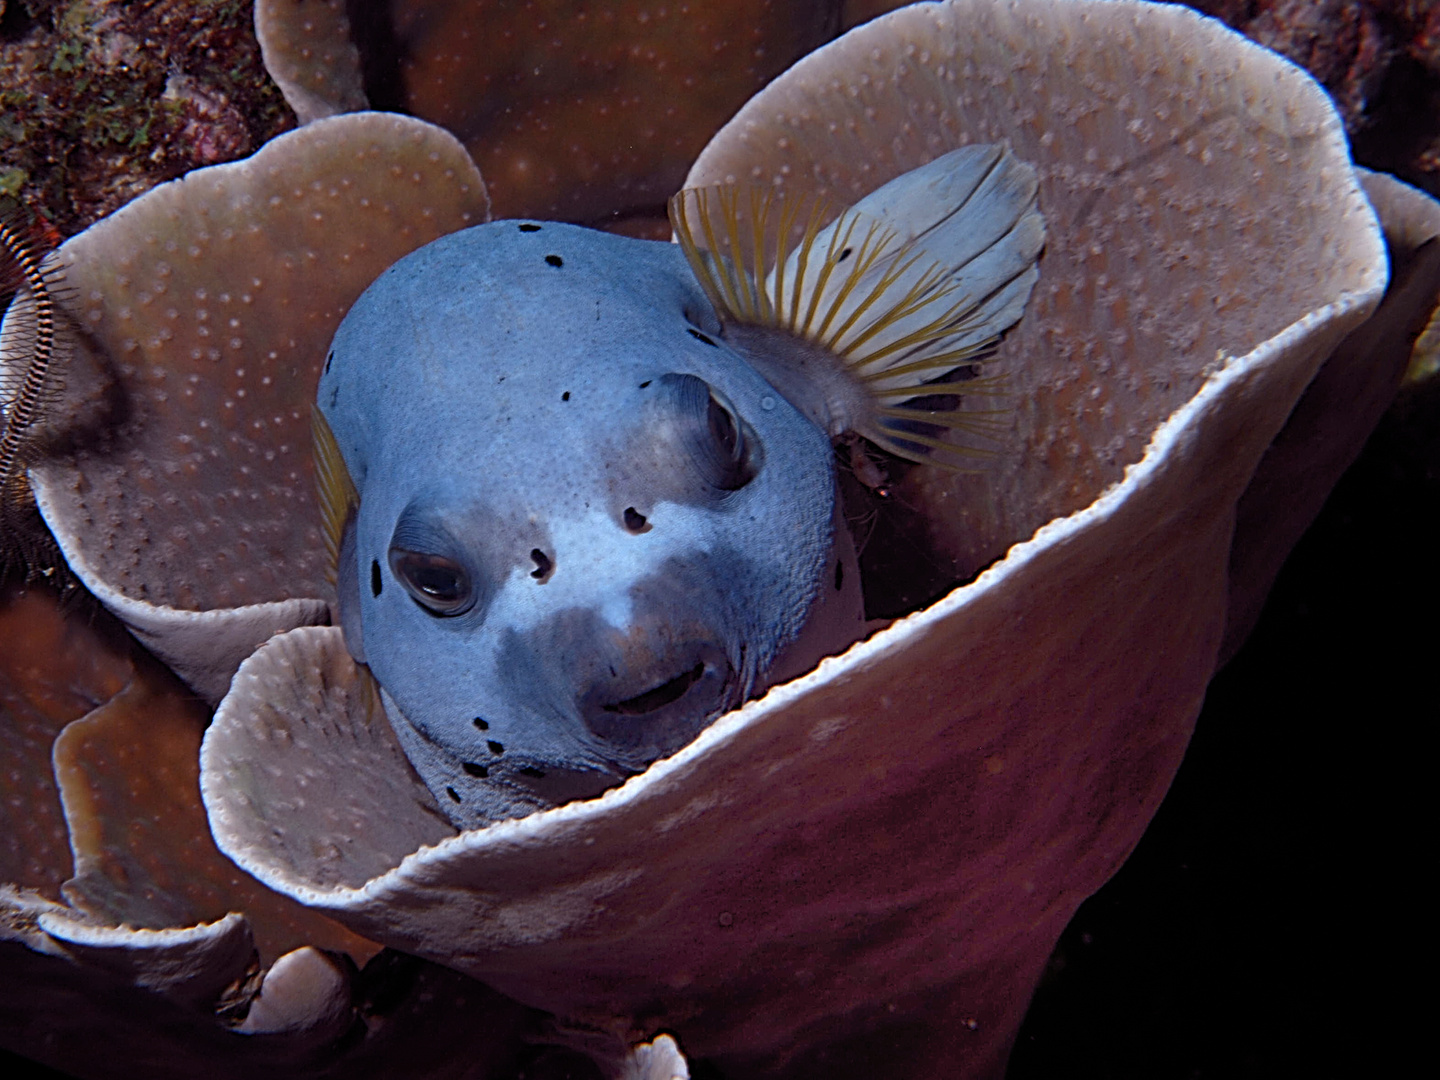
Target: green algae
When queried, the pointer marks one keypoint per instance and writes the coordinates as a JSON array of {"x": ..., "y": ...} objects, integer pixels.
[{"x": 101, "y": 100}]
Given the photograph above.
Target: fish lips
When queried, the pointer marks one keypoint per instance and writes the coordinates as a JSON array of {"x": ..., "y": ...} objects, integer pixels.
[
  {"x": 622, "y": 698},
  {"x": 571, "y": 705}
]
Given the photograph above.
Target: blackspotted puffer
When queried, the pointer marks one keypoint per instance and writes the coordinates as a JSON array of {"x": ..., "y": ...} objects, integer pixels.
[{"x": 581, "y": 489}]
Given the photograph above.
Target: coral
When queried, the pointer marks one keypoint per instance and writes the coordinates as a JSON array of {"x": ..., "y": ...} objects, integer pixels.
[
  {"x": 582, "y": 112},
  {"x": 309, "y": 51},
  {"x": 128, "y": 775},
  {"x": 208, "y": 306},
  {"x": 100, "y": 100},
  {"x": 53, "y": 670},
  {"x": 774, "y": 918},
  {"x": 93, "y": 175},
  {"x": 120, "y": 825},
  {"x": 1380, "y": 60}
]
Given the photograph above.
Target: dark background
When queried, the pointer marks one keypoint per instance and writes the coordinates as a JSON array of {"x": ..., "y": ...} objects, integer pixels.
[{"x": 1264, "y": 923}]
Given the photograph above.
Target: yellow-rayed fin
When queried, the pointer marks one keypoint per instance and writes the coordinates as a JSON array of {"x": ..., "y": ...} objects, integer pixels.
[
  {"x": 338, "y": 497},
  {"x": 915, "y": 282}
]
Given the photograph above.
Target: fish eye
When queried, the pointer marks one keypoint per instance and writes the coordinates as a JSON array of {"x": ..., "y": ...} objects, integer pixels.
[
  {"x": 725, "y": 431},
  {"x": 438, "y": 584},
  {"x": 728, "y": 457},
  {"x": 712, "y": 432}
]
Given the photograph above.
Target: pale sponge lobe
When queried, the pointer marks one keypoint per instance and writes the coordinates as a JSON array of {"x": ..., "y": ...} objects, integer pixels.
[
  {"x": 345, "y": 758},
  {"x": 657, "y": 1060},
  {"x": 304, "y": 992},
  {"x": 308, "y": 51},
  {"x": 53, "y": 670},
  {"x": 1200, "y": 201},
  {"x": 574, "y": 112},
  {"x": 191, "y": 964},
  {"x": 206, "y": 307},
  {"x": 1196, "y": 192},
  {"x": 128, "y": 774}
]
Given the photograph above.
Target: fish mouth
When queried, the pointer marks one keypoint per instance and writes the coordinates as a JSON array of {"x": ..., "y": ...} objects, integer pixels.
[
  {"x": 659, "y": 696},
  {"x": 667, "y": 713}
]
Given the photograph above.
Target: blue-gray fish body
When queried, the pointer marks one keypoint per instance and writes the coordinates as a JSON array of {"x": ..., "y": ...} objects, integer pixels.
[
  {"x": 585, "y": 527},
  {"x": 581, "y": 489}
]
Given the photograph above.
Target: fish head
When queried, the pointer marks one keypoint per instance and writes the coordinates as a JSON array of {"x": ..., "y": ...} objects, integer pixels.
[{"x": 583, "y": 525}]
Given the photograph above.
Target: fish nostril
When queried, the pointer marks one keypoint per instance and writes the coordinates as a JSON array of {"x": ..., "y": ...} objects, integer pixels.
[
  {"x": 635, "y": 521},
  {"x": 543, "y": 565},
  {"x": 474, "y": 770},
  {"x": 495, "y": 747}
]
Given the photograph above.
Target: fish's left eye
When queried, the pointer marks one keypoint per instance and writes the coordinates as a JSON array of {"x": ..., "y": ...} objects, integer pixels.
[{"x": 438, "y": 584}]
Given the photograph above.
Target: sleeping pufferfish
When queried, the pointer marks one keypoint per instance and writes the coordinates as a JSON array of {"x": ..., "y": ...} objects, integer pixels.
[{"x": 581, "y": 489}]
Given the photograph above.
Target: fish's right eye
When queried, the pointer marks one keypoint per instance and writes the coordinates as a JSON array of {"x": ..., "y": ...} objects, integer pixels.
[
  {"x": 727, "y": 435},
  {"x": 438, "y": 584},
  {"x": 712, "y": 432}
]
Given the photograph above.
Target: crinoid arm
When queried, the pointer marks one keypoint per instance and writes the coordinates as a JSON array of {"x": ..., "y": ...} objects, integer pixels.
[
  {"x": 877, "y": 319},
  {"x": 33, "y": 350}
]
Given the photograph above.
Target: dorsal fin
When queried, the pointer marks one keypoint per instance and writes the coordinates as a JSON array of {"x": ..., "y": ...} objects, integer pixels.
[{"x": 914, "y": 283}]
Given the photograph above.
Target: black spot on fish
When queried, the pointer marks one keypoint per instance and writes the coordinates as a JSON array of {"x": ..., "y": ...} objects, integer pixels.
[
  {"x": 644, "y": 384},
  {"x": 843, "y": 256},
  {"x": 474, "y": 769},
  {"x": 374, "y": 578},
  {"x": 530, "y": 770},
  {"x": 529, "y": 227},
  {"x": 554, "y": 260},
  {"x": 565, "y": 396},
  {"x": 481, "y": 723},
  {"x": 452, "y": 793},
  {"x": 698, "y": 336},
  {"x": 839, "y": 576},
  {"x": 495, "y": 747},
  {"x": 329, "y": 359},
  {"x": 543, "y": 564},
  {"x": 634, "y": 520}
]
